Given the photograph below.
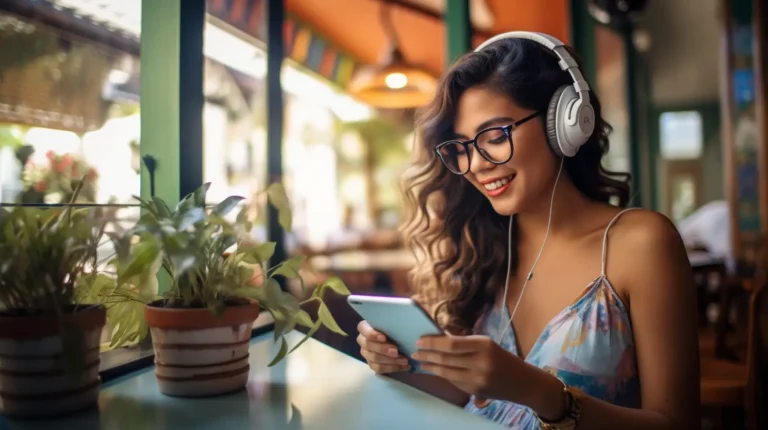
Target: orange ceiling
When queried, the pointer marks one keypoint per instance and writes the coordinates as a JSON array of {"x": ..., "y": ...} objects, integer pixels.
[{"x": 354, "y": 26}]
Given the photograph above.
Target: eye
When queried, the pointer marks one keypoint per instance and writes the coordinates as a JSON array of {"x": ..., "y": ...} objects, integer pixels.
[
  {"x": 493, "y": 136},
  {"x": 452, "y": 149}
]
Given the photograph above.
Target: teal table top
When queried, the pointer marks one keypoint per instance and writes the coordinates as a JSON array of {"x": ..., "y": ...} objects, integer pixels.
[{"x": 314, "y": 388}]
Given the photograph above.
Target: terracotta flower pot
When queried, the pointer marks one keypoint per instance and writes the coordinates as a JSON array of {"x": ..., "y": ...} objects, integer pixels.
[
  {"x": 198, "y": 354},
  {"x": 32, "y": 379}
]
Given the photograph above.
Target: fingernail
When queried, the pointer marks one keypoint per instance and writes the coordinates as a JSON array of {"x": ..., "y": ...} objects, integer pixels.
[
  {"x": 415, "y": 356},
  {"x": 381, "y": 338},
  {"x": 392, "y": 352},
  {"x": 419, "y": 343}
]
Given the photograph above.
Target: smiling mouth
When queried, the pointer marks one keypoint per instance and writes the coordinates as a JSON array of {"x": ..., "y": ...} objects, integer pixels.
[{"x": 499, "y": 183}]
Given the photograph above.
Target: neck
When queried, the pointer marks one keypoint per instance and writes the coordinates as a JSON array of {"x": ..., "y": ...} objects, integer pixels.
[{"x": 568, "y": 208}]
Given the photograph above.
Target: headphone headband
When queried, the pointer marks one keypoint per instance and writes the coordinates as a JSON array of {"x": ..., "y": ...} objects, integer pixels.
[{"x": 567, "y": 62}]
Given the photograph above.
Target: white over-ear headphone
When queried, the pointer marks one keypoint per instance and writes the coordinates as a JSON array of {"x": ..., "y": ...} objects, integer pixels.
[{"x": 570, "y": 117}]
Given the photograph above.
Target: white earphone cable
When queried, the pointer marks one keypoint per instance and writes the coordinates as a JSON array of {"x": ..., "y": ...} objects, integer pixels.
[{"x": 536, "y": 261}]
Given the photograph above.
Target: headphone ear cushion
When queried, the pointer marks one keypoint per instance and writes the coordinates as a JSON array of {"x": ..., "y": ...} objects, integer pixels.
[{"x": 551, "y": 122}]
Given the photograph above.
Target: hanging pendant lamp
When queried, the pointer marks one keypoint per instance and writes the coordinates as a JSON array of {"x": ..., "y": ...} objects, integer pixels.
[{"x": 396, "y": 84}]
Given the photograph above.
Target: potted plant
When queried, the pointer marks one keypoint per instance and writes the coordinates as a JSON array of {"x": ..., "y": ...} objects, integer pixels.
[
  {"x": 217, "y": 282},
  {"x": 54, "y": 304}
]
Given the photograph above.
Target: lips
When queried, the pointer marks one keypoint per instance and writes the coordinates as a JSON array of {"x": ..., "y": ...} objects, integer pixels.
[{"x": 497, "y": 187}]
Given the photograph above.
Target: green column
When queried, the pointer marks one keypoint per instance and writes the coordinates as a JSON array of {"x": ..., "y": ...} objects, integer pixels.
[
  {"x": 275, "y": 10},
  {"x": 458, "y": 29},
  {"x": 583, "y": 38},
  {"x": 172, "y": 95},
  {"x": 633, "y": 112}
]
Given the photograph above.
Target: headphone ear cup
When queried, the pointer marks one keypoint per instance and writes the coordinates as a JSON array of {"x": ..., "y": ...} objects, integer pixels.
[{"x": 551, "y": 123}]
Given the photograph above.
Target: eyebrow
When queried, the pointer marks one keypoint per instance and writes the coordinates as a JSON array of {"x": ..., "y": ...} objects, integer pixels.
[{"x": 489, "y": 123}]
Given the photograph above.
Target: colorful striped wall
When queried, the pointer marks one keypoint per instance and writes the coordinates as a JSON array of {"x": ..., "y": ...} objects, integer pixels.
[{"x": 301, "y": 43}]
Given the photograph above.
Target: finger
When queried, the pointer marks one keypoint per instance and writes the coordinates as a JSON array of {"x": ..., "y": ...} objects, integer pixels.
[
  {"x": 451, "y": 344},
  {"x": 372, "y": 357},
  {"x": 366, "y": 330},
  {"x": 452, "y": 374},
  {"x": 460, "y": 361},
  {"x": 388, "y": 368},
  {"x": 378, "y": 347}
]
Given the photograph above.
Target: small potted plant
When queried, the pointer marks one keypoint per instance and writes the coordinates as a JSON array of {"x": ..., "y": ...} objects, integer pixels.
[
  {"x": 217, "y": 281},
  {"x": 54, "y": 305}
]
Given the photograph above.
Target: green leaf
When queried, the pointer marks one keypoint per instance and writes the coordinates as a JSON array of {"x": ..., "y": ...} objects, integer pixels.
[
  {"x": 258, "y": 254},
  {"x": 303, "y": 319},
  {"x": 163, "y": 211},
  {"x": 280, "y": 354},
  {"x": 199, "y": 194},
  {"x": 324, "y": 315},
  {"x": 189, "y": 218},
  {"x": 90, "y": 286},
  {"x": 226, "y": 206},
  {"x": 284, "y": 323},
  {"x": 278, "y": 326},
  {"x": 126, "y": 320},
  {"x": 252, "y": 293},
  {"x": 143, "y": 257},
  {"x": 309, "y": 334},
  {"x": 273, "y": 295},
  {"x": 336, "y": 284},
  {"x": 290, "y": 267},
  {"x": 278, "y": 198}
]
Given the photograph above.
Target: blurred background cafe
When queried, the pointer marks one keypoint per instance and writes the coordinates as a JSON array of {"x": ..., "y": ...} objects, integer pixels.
[{"x": 149, "y": 97}]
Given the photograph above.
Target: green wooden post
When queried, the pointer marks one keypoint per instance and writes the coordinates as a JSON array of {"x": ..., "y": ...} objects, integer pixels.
[
  {"x": 633, "y": 111},
  {"x": 172, "y": 98},
  {"x": 458, "y": 29},
  {"x": 275, "y": 10},
  {"x": 583, "y": 39},
  {"x": 172, "y": 95}
]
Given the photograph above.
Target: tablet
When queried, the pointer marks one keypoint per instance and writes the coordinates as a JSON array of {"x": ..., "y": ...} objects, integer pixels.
[{"x": 401, "y": 319}]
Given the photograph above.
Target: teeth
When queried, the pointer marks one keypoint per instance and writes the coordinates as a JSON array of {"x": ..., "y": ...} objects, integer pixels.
[{"x": 497, "y": 184}]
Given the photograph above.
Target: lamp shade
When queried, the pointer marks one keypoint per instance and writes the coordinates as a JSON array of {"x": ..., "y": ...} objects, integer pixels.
[{"x": 396, "y": 85}]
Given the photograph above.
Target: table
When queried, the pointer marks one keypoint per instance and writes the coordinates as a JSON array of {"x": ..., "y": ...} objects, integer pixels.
[
  {"x": 314, "y": 388},
  {"x": 703, "y": 258},
  {"x": 381, "y": 260}
]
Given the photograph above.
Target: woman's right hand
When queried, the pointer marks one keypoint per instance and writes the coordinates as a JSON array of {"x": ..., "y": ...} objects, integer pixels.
[{"x": 382, "y": 357}]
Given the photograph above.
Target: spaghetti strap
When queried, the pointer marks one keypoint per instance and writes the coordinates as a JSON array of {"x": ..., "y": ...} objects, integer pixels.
[{"x": 605, "y": 239}]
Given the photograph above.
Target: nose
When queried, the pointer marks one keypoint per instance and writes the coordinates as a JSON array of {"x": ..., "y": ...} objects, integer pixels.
[{"x": 478, "y": 163}]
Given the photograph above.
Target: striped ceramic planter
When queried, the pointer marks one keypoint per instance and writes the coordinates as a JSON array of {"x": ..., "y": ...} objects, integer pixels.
[
  {"x": 32, "y": 380},
  {"x": 198, "y": 354}
]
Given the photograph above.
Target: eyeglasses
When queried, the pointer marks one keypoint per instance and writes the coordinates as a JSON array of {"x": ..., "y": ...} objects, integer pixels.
[{"x": 493, "y": 143}]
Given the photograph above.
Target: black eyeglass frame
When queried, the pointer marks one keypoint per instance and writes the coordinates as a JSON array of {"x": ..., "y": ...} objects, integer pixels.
[{"x": 506, "y": 129}]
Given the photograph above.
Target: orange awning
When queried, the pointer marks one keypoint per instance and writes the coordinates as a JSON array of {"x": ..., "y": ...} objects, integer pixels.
[{"x": 354, "y": 25}]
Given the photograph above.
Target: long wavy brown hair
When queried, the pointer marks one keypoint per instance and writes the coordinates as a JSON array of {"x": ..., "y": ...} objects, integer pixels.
[{"x": 457, "y": 237}]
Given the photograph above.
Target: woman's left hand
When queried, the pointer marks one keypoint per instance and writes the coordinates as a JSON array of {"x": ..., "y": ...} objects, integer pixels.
[{"x": 475, "y": 364}]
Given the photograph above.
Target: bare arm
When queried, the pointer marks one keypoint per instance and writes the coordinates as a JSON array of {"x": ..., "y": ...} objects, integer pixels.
[{"x": 649, "y": 260}]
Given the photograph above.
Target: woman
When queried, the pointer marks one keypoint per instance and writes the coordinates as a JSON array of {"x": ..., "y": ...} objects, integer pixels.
[{"x": 540, "y": 351}]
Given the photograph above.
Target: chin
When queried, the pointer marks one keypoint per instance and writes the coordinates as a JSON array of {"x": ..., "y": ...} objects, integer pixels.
[{"x": 507, "y": 205}]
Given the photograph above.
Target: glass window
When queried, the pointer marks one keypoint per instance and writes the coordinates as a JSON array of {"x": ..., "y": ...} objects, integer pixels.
[
  {"x": 68, "y": 107},
  {"x": 235, "y": 142},
  {"x": 681, "y": 135},
  {"x": 69, "y": 111}
]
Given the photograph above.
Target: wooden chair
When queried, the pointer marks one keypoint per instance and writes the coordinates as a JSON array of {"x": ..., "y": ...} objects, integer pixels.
[{"x": 729, "y": 385}]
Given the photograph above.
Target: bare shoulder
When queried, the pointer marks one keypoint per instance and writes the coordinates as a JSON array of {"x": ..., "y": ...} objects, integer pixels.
[
  {"x": 645, "y": 245},
  {"x": 645, "y": 230}
]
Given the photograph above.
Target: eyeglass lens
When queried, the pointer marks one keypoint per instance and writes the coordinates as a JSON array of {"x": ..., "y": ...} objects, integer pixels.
[{"x": 494, "y": 144}]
